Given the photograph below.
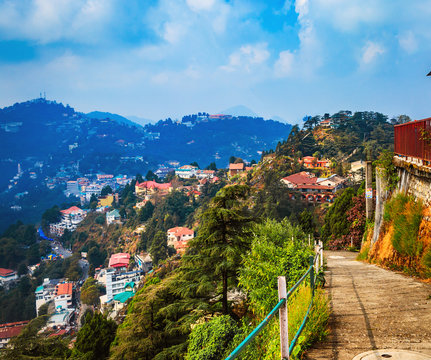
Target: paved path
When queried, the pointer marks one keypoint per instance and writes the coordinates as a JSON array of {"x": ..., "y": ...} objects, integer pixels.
[{"x": 373, "y": 308}]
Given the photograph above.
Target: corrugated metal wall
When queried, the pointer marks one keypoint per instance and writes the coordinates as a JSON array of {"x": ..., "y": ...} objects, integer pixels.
[{"x": 414, "y": 139}]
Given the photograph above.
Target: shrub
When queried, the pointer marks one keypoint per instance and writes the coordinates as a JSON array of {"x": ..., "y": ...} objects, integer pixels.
[
  {"x": 406, "y": 216},
  {"x": 208, "y": 341},
  {"x": 388, "y": 169}
]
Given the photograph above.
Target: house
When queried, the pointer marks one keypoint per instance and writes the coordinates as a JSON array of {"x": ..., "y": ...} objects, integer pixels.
[
  {"x": 205, "y": 174},
  {"x": 163, "y": 172},
  {"x": 115, "y": 281},
  {"x": 107, "y": 200},
  {"x": 327, "y": 123},
  {"x": 178, "y": 237},
  {"x": 45, "y": 292},
  {"x": 144, "y": 261},
  {"x": 70, "y": 218},
  {"x": 186, "y": 171},
  {"x": 151, "y": 187},
  {"x": 113, "y": 216},
  {"x": 63, "y": 296},
  {"x": 121, "y": 298},
  {"x": 236, "y": 169},
  {"x": 10, "y": 330},
  {"x": 312, "y": 188},
  {"x": 334, "y": 180},
  {"x": 119, "y": 260},
  {"x": 311, "y": 162},
  {"x": 7, "y": 275}
]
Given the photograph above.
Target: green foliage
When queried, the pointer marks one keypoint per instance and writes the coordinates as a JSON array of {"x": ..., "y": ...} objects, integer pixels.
[
  {"x": 100, "y": 220},
  {"x": 51, "y": 216},
  {"x": 406, "y": 216},
  {"x": 154, "y": 327},
  {"x": 208, "y": 341},
  {"x": 30, "y": 345},
  {"x": 90, "y": 292},
  {"x": 210, "y": 266},
  {"x": 94, "y": 338},
  {"x": 306, "y": 222},
  {"x": 106, "y": 190},
  {"x": 18, "y": 302},
  {"x": 277, "y": 249},
  {"x": 336, "y": 223},
  {"x": 159, "y": 247},
  {"x": 427, "y": 258},
  {"x": 387, "y": 168}
]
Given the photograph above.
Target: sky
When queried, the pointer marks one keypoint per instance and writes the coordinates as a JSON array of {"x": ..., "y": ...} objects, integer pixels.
[{"x": 167, "y": 58}]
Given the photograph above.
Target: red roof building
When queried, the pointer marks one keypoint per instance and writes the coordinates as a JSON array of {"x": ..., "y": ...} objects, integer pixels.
[
  {"x": 236, "y": 168},
  {"x": 313, "y": 188},
  {"x": 10, "y": 330},
  {"x": 151, "y": 186},
  {"x": 63, "y": 289},
  {"x": 72, "y": 210},
  {"x": 119, "y": 260},
  {"x": 179, "y": 236},
  {"x": 5, "y": 272}
]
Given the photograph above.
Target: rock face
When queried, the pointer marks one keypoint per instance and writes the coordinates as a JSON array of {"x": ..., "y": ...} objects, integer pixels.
[
  {"x": 415, "y": 179},
  {"x": 381, "y": 196}
]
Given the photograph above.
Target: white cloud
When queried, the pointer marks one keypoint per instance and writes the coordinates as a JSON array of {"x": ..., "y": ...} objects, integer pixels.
[
  {"x": 408, "y": 42},
  {"x": 174, "y": 31},
  {"x": 284, "y": 65},
  {"x": 246, "y": 57},
  {"x": 301, "y": 7},
  {"x": 46, "y": 21},
  {"x": 199, "y": 5},
  {"x": 370, "y": 52}
]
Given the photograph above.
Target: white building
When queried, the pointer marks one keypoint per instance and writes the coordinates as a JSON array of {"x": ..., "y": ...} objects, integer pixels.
[
  {"x": 186, "y": 171},
  {"x": 63, "y": 296},
  {"x": 70, "y": 218},
  {"x": 115, "y": 281},
  {"x": 72, "y": 188},
  {"x": 205, "y": 174},
  {"x": 45, "y": 292},
  {"x": 7, "y": 275},
  {"x": 113, "y": 217}
]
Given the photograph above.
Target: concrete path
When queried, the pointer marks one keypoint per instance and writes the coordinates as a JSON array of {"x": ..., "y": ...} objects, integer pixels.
[{"x": 372, "y": 308}]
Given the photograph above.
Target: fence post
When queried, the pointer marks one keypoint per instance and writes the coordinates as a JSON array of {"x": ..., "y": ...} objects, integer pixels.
[
  {"x": 321, "y": 254},
  {"x": 282, "y": 313},
  {"x": 311, "y": 259}
]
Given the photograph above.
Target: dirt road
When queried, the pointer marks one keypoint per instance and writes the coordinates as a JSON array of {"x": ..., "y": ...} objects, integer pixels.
[{"x": 373, "y": 308}]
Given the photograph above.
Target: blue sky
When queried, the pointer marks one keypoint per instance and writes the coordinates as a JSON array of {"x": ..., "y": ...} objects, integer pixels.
[{"x": 166, "y": 58}]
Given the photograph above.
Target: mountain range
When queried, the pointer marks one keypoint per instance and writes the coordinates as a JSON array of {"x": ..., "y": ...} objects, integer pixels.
[{"x": 49, "y": 139}]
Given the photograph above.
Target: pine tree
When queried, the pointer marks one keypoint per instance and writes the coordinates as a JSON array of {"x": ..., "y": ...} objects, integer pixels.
[
  {"x": 211, "y": 265},
  {"x": 94, "y": 338}
]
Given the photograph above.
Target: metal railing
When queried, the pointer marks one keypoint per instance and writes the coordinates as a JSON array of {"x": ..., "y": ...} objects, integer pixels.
[{"x": 316, "y": 264}]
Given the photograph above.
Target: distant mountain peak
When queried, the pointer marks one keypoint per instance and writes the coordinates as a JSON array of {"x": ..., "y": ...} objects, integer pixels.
[
  {"x": 115, "y": 117},
  {"x": 239, "y": 110}
]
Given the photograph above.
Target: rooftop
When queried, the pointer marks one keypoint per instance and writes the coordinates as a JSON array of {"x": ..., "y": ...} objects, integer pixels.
[
  {"x": 10, "y": 330},
  {"x": 119, "y": 260},
  {"x": 6, "y": 272},
  {"x": 63, "y": 289},
  {"x": 179, "y": 231},
  {"x": 71, "y": 210},
  {"x": 239, "y": 166}
]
